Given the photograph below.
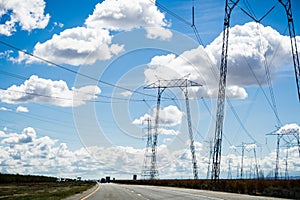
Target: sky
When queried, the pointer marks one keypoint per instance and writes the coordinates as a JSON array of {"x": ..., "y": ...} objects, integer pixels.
[{"x": 73, "y": 100}]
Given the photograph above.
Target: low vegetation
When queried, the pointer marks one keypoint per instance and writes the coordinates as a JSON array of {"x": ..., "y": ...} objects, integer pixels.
[
  {"x": 39, "y": 187},
  {"x": 274, "y": 188}
]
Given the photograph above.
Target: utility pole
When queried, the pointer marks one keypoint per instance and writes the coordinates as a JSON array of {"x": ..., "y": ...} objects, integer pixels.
[
  {"x": 229, "y": 6},
  {"x": 183, "y": 84}
]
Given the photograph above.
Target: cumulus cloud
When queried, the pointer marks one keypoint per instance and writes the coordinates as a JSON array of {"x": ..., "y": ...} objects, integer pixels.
[
  {"x": 22, "y": 109},
  {"x": 93, "y": 41},
  {"x": 2, "y": 134},
  {"x": 41, "y": 90},
  {"x": 5, "y": 109},
  {"x": 125, "y": 15},
  {"x": 27, "y": 152},
  {"x": 28, "y": 15},
  {"x": 289, "y": 129},
  {"x": 250, "y": 46},
  {"x": 28, "y": 135},
  {"x": 168, "y": 117},
  {"x": 76, "y": 46}
]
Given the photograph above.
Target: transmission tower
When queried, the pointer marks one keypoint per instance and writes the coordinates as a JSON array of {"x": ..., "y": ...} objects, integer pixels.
[
  {"x": 288, "y": 9},
  {"x": 242, "y": 160},
  {"x": 256, "y": 164},
  {"x": 229, "y": 6},
  {"x": 183, "y": 84},
  {"x": 286, "y": 174},
  {"x": 288, "y": 132},
  {"x": 229, "y": 175},
  {"x": 244, "y": 146},
  {"x": 146, "y": 172},
  {"x": 209, "y": 159},
  {"x": 153, "y": 168}
]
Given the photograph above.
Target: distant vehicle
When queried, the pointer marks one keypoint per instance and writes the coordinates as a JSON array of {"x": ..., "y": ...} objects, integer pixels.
[{"x": 103, "y": 180}]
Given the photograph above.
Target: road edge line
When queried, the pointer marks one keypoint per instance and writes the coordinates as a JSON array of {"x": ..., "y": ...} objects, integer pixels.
[{"x": 87, "y": 196}]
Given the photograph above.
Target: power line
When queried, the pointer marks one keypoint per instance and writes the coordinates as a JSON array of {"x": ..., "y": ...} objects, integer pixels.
[
  {"x": 170, "y": 12},
  {"x": 72, "y": 71}
]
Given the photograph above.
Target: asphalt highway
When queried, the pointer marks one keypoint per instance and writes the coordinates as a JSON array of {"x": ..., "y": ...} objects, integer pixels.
[{"x": 111, "y": 191}]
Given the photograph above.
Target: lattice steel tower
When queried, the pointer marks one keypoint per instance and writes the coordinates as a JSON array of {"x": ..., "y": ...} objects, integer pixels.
[
  {"x": 215, "y": 175},
  {"x": 146, "y": 172},
  {"x": 161, "y": 85},
  {"x": 288, "y": 9}
]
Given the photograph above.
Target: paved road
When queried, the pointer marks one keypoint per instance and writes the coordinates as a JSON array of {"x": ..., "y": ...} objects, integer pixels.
[{"x": 141, "y": 192}]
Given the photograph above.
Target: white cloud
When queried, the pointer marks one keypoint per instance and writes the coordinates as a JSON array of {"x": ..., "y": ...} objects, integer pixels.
[
  {"x": 165, "y": 131},
  {"x": 28, "y": 135},
  {"x": 41, "y": 90},
  {"x": 28, "y": 153},
  {"x": 5, "y": 109},
  {"x": 59, "y": 24},
  {"x": 126, "y": 93},
  {"x": 22, "y": 109},
  {"x": 253, "y": 44},
  {"x": 77, "y": 46},
  {"x": 93, "y": 41},
  {"x": 28, "y": 14},
  {"x": 126, "y": 15},
  {"x": 249, "y": 45},
  {"x": 2, "y": 134},
  {"x": 169, "y": 116},
  {"x": 289, "y": 129}
]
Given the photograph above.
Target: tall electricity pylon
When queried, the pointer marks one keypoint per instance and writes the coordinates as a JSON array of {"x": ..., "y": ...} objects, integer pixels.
[
  {"x": 229, "y": 175},
  {"x": 153, "y": 168},
  {"x": 209, "y": 158},
  {"x": 288, "y": 9},
  {"x": 146, "y": 172},
  {"x": 288, "y": 132},
  {"x": 229, "y": 6},
  {"x": 183, "y": 84}
]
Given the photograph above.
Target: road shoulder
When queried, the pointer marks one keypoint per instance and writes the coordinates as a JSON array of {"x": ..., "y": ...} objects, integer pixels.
[{"x": 85, "y": 194}]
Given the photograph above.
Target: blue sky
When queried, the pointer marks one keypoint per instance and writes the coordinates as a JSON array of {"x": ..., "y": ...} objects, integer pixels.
[{"x": 85, "y": 115}]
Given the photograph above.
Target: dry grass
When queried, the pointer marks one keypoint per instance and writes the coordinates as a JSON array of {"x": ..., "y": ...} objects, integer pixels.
[
  {"x": 274, "y": 188},
  {"x": 51, "y": 190}
]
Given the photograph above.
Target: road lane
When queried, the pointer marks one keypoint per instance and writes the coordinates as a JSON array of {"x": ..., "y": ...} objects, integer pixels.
[
  {"x": 114, "y": 192},
  {"x": 143, "y": 192}
]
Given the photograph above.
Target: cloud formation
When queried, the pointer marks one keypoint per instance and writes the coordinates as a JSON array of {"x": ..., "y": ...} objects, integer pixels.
[
  {"x": 77, "y": 46},
  {"x": 22, "y": 109},
  {"x": 251, "y": 46},
  {"x": 28, "y": 15},
  {"x": 125, "y": 15},
  {"x": 168, "y": 117},
  {"x": 27, "y": 152},
  {"x": 290, "y": 129},
  {"x": 41, "y": 90},
  {"x": 93, "y": 41}
]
